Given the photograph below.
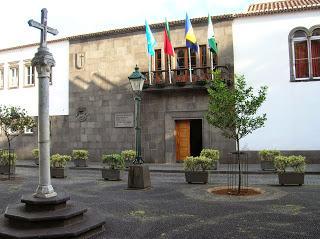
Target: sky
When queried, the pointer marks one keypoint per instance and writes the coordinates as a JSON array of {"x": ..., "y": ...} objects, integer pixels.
[{"x": 73, "y": 17}]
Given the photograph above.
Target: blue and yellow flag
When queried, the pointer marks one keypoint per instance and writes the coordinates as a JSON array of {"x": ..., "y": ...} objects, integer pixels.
[
  {"x": 191, "y": 41},
  {"x": 151, "y": 42}
]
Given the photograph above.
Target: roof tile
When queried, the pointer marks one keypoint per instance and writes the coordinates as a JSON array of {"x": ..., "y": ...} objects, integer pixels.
[{"x": 282, "y": 6}]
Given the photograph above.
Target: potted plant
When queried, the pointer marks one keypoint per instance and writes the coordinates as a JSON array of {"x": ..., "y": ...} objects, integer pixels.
[
  {"x": 290, "y": 169},
  {"x": 6, "y": 160},
  {"x": 196, "y": 169},
  {"x": 212, "y": 154},
  {"x": 80, "y": 157},
  {"x": 114, "y": 163},
  {"x": 35, "y": 154},
  {"x": 128, "y": 156},
  {"x": 267, "y": 159},
  {"x": 58, "y": 165}
]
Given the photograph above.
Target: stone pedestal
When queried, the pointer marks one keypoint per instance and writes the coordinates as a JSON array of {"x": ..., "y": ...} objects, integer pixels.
[
  {"x": 49, "y": 218},
  {"x": 139, "y": 177}
]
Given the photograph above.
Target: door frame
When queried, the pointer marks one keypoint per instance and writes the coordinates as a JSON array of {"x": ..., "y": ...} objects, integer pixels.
[{"x": 175, "y": 133}]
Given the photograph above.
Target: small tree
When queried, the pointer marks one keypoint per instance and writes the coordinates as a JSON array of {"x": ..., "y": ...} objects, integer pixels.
[
  {"x": 233, "y": 110},
  {"x": 13, "y": 121}
]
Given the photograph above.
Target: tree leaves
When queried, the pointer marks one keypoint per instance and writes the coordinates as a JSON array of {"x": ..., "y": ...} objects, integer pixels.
[
  {"x": 233, "y": 110},
  {"x": 13, "y": 121}
]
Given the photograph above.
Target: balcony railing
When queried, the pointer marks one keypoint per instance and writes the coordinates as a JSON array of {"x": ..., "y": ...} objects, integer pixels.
[{"x": 181, "y": 77}]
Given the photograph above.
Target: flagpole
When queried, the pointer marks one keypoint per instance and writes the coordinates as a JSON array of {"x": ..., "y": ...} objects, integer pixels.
[
  {"x": 169, "y": 60},
  {"x": 190, "y": 73},
  {"x": 211, "y": 64},
  {"x": 149, "y": 67}
]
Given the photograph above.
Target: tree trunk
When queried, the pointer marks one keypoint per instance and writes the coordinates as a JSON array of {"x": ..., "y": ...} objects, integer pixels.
[
  {"x": 239, "y": 167},
  {"x": 9, "y": 152}
]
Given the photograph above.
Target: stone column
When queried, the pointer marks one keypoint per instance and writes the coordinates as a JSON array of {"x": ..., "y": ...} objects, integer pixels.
[{"x": 43, "y": 61}]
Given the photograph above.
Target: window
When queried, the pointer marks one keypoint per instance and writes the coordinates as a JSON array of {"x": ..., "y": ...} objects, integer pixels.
[
  {"x": 29, "y": 74},
  {"x": 158, "y": 60},
  {"x": 28, "y": 131},
  {"x": 203, "y": 55},
  {"x": 182, "y": 58},
  {"x": 305, "y": 54},
  {"x": 315, "y": 54},
  {"x": 1, "y": 77},
  {"x": 14, "y": 76},
  {"x": 158, "y": 67}
]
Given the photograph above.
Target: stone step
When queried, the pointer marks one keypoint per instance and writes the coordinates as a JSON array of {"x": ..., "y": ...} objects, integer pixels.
[
  {"x": 92, "y": 223},
  {"x": 58, "y": 217},
  {"x": 43, "y": 204}
]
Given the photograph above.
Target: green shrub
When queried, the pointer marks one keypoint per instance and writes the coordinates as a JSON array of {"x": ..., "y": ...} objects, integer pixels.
[
  {"x": 268, "y": 155},
  {"x": 128, "y": 155},
  {"x": 114, "y": 161},
  {"x": 212, "y": 154},
  {"x": 297, "y": 163},
  {"x": 35, "y": 153},
  {"x": 198, "y": 163},
  {"x": 4, "y": 158},
  {"x": 59, "y": 161},
  {"x": 80, "y": 154}
]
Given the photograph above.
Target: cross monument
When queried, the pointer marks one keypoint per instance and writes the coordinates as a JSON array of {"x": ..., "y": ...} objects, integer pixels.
[{"x": 43, "y": 61}]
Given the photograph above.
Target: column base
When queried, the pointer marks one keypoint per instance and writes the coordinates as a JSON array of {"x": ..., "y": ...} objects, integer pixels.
[
  {"x": 44, "y": 192},
  {"x": 139, "y": 177}
]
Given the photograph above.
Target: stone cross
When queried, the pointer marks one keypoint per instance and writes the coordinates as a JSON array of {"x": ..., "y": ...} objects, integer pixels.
[
  {"x": 43, "y": 27},
  {"x": 43, "y": 61}
]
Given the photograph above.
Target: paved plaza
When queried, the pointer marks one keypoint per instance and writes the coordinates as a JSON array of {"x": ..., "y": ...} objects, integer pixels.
[{"x": 174, "y": 209}]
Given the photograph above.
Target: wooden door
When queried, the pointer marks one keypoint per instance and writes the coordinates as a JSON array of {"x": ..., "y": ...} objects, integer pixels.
[{"x": 182, "y": 139}]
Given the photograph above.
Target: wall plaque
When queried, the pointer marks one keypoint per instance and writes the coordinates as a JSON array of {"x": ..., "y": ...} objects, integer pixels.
[
  {"x": 80, "y": 60},
  {"x": 124, "y": 120}
]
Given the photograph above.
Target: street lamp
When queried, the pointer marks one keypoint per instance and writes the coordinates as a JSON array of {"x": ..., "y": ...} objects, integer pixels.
[
  {"x": 139, "y": 174},
  {"x": 136, "y": 80}
]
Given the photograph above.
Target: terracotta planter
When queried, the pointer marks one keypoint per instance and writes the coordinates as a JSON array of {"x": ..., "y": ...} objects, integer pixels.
[
  {"x": 58, "y": 172},
  {"x": 201, "y": 82},
  {"x": 80, "y": 163},
  {"x": 291, "y": 178},
  {"x": 267, "y": 166},
  {"x": 111, "y": 174},
  {"x": 160, "y": 84},
  {"x": 181, "y": 83},
  {"x": 197, "y": 177},
  {"x": 4, "y": 169}
]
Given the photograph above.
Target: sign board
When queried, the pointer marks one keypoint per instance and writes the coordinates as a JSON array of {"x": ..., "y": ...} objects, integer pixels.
[{"x": 124, "y": 120}]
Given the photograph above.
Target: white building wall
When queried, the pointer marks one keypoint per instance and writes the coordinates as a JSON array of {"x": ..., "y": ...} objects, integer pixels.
[
  {"x": 261, "y": 53},
  {"x": 27, "y": 97}
]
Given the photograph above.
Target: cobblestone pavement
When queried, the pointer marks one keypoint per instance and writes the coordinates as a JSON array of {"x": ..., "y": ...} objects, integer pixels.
[{"x": 174, "y": 209}]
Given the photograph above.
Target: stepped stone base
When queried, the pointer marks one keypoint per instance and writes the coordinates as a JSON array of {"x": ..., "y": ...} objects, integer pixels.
[
  {"x": 49, "y": 218},
  {"x": 139, "y": 177}
]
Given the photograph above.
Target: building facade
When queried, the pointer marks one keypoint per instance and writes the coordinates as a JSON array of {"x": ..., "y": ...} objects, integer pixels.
[
  {"x": 99, "y": 114},
  {"x": 19, "y": 87},
  {"x": 92, "y": 107},
  {"x": 281, "y": 50}
]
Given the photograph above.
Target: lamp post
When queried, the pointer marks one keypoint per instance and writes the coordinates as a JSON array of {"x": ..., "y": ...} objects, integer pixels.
[
  {"x": 139, "y": 175},
  {"x": 136, "y": 80}
]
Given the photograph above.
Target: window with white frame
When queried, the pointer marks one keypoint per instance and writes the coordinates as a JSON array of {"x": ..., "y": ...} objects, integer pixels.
[
  {"x": 305, "y": 54},
  {"x": 29, "y": 74},
  {"x": 14, "y": 76},
  {"x": 1, "y": 77},
  {"x": 28, "y": 130}
]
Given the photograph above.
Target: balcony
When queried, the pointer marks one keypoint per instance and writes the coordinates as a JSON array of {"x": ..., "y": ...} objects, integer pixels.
[{"x": 180, "y": 78}]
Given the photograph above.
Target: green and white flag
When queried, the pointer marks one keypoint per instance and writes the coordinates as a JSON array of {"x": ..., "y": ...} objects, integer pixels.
[{"x": 211, "y": 40}]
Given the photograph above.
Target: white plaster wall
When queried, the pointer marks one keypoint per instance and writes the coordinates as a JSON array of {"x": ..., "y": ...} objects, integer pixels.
[
  {"x": 27, "y": 97},
  {"x": 261, "y": 53}
]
